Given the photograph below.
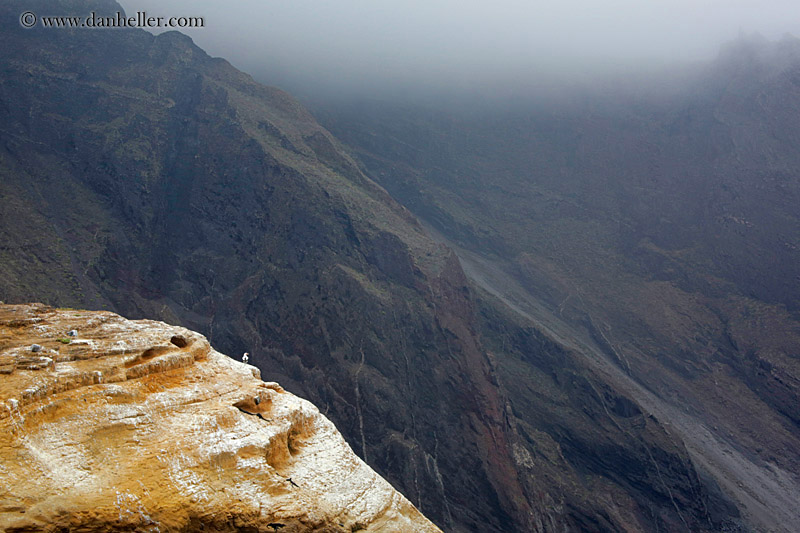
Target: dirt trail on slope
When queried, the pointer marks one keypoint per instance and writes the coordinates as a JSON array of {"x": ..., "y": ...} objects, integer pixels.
[{"x": 766, "y": 495}]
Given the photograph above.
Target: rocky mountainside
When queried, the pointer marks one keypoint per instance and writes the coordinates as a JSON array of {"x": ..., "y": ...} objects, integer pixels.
[
  {"x": 141, "y": 426},
  {"x": 653, "y": 225},
  {"x": 138, "y": 174}
]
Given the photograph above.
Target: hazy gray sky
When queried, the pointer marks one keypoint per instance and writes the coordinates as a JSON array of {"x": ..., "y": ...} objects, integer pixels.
[{"x": 401, "y": 40}]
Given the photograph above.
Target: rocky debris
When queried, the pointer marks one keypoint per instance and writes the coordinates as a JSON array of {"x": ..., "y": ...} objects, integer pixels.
[{"x": 145, "y": 427}]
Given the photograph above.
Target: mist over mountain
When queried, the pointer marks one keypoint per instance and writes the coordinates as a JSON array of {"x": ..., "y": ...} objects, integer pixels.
[
  {"x": 403, "y": 49},
  {"x": 657, "y": 222}
]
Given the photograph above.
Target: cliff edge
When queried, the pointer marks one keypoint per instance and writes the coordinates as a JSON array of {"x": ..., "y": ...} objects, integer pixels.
[{"x": 111, "y": 424}]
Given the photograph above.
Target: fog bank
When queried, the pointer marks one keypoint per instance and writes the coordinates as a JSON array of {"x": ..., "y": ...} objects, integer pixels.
[{"x": 359, "y": 45}]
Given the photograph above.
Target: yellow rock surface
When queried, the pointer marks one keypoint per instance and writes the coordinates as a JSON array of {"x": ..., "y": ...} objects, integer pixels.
[{"x": 142, "y": 426}]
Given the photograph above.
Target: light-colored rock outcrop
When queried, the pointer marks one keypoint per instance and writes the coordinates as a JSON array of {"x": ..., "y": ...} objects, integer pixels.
[{"x": 142, "y": 426}]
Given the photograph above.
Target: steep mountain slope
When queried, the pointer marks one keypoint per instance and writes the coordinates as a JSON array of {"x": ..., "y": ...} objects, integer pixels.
[
  {"x": 140, "y": 175},
  {"x": 141, "y": 426},
  {"x": 654, "y": 225}
]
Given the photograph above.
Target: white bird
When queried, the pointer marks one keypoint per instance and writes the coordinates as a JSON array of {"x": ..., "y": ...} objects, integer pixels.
[{"x": 245, "y": 357}]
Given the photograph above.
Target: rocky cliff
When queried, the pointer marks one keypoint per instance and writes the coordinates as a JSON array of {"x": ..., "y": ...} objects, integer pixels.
[
  {"x": 651, "y": 224},
  {"x": 140, "y": 175},
  {"x": 138, "y": 425}
]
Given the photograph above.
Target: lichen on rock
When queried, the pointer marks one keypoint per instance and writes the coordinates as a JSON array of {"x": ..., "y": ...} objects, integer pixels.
[{"x": 138, "y": 425}]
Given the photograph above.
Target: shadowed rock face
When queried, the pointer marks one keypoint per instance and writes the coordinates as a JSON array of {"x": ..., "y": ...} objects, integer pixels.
[
  {"x": 654, "y": 225},
  {"x": 137, "y": 425},
  {"x": 142, "y": 176}
]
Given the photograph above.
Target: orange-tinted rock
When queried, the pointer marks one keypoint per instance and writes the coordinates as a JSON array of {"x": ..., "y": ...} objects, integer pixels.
[{"x": 138, "y": 425}]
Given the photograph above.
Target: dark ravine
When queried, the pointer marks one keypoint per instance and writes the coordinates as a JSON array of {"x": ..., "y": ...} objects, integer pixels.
[{"x": 139, "y": 175}]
